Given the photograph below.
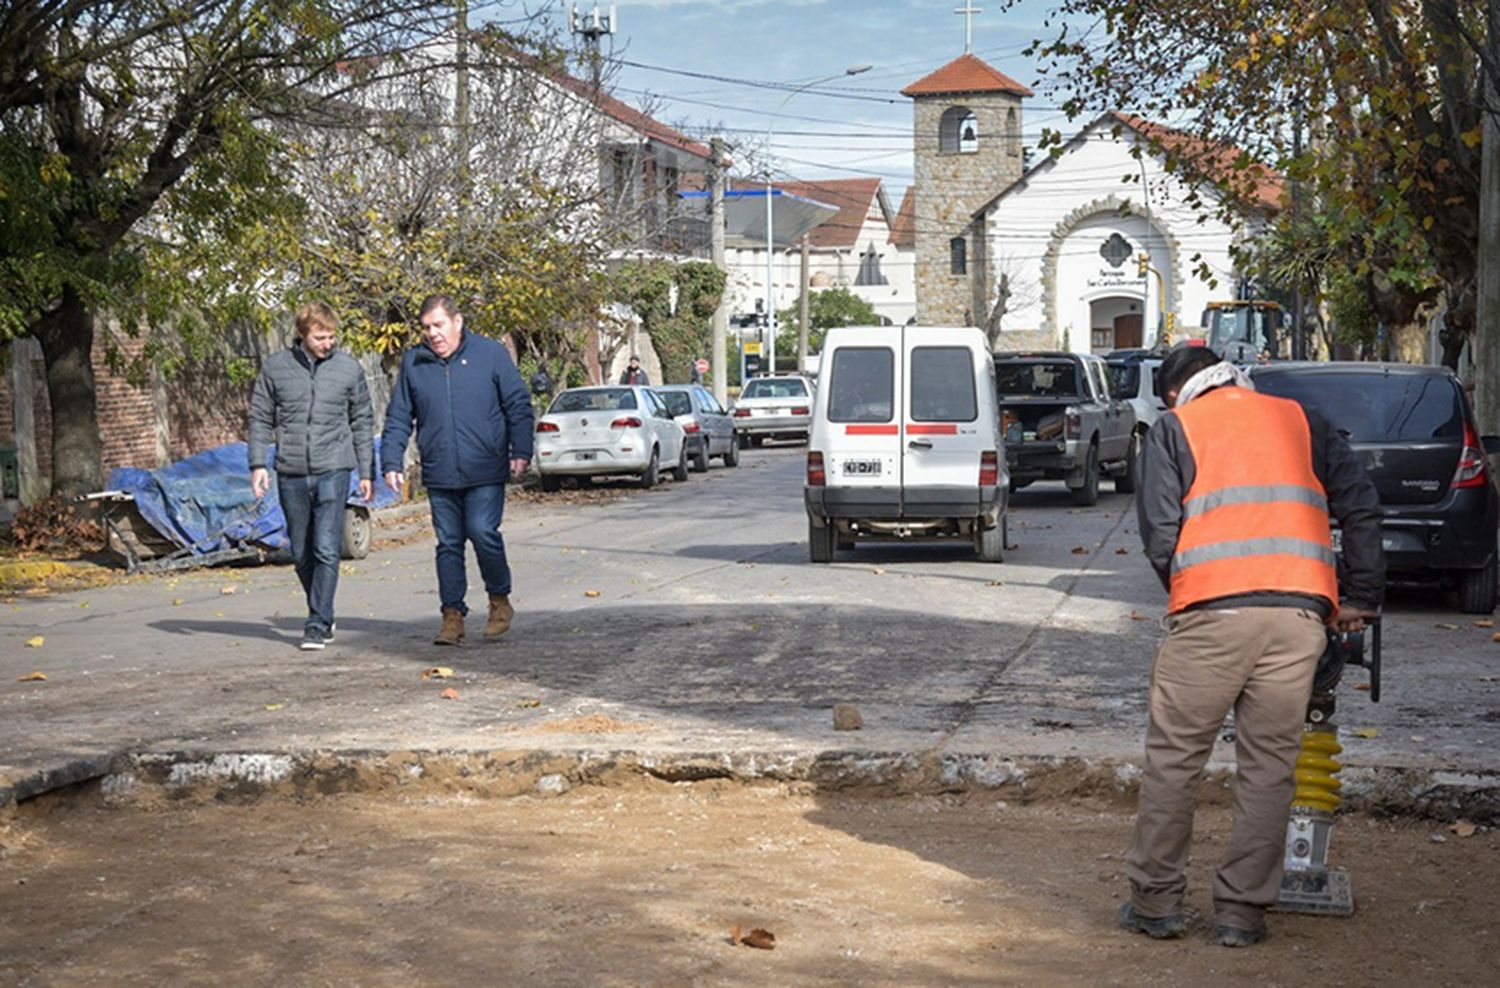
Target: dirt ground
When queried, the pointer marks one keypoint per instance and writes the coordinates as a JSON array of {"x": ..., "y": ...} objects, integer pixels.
[{"x": 642, "y": 884}]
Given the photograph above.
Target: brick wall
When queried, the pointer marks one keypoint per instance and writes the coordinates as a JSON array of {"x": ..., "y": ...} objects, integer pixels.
[{"x": 126, "y": 411}]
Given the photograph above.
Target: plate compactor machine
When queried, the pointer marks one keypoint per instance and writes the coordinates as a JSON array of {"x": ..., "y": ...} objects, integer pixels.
[{"x": 1309, "y": 885}]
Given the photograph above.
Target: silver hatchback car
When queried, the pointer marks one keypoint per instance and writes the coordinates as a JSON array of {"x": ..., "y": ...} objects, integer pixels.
[
  {"x": 774, "y": 408},
  {"x": 589, "y": 432},
  {"x": 710, "y": 429}
]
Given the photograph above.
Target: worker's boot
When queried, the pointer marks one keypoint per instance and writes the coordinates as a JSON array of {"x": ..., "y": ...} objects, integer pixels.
[
  {"x": 500, "y": 614},
  {"x": 452, "y": 632}
]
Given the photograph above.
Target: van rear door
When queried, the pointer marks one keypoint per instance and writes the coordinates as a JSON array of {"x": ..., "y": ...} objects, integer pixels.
[
  {"x": 863, "y": 431},
  {"x": 943, "y": 436}
]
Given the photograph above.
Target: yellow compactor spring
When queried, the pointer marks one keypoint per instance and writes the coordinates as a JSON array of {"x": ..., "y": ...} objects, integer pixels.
[{"x": 1317, "y": 764}]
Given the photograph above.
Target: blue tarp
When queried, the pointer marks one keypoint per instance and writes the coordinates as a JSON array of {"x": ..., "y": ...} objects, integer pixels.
[{"x": 204, "y": 502}]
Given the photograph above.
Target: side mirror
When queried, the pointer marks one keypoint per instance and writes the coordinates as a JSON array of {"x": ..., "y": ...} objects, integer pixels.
[{"x": 1491, "y": 445}]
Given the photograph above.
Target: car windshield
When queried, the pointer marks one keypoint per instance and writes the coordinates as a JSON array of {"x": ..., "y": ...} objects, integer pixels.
[
  {"x": 677, "y": 402},
  {"x": 1375, "y": 406},
  {"x": 595, "y": 400},
  {"x": 1037, "y": 378},
  {"x": 1126, "y": 379},
  {"x": 775, "y": 387}
]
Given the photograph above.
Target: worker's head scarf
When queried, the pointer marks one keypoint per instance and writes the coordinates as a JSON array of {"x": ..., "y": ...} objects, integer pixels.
[{"x": 1214, "y": 376}]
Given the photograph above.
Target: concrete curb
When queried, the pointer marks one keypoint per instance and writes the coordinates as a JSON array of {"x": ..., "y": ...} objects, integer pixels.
[{"x": 1383, "y": 791}]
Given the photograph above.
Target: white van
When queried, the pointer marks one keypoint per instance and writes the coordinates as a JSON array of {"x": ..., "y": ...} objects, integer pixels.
[{"x": 905, "y": 440}]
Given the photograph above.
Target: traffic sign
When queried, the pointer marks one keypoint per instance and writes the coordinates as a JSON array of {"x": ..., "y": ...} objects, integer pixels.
[
  {"x": 751, "y": 346},
  {"x": 702, "y": 365}
]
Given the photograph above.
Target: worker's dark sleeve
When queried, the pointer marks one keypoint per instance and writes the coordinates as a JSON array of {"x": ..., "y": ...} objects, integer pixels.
[
  {"x": 1167, "y": 471},
  {"x": 1354, "y": 502}
]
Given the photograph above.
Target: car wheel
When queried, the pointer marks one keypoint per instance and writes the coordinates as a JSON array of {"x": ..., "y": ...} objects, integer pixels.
[
  {"x": 700, "y": 459},
  {"x": 1476, "y": 589},
  {"x": 989, "y": 544},
  {"x": 680, "y": 471},
  {"x": 744, "y": 442},
  {"x": 652, "y": 471},
  {"x": 1088, "y": 495},
  {"x": 1125, "y": 482},
  {"x": 821, "y": 541},
  {"x": 551, "y": 483},
  {"x": 358, "y": 532},
  {"x": 756, "y": 441},
  {"x": 732, "y": 458}
]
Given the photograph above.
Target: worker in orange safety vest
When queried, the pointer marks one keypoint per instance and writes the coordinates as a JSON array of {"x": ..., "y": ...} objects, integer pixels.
[{"x": 1236, "y": 493}]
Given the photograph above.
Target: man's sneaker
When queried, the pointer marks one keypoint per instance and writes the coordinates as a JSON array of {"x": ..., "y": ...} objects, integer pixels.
[
  {"x": 1233, "y": 936},
  {"x": 1155, "y": 927},
  {"x": 328, "y": 638},
  {"x": 312, "y": 640}
]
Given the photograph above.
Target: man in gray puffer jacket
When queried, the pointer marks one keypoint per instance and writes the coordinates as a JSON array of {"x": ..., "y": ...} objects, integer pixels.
[{"x": 312, "y": 401}]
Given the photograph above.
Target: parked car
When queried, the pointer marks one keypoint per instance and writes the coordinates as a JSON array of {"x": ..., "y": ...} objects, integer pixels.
[
  {"x": 1133, "y": 378},
  {"x": 777, "y": 407},
  {"x": 589, "y": 432},
  {"x": 1413, "y": 429},
  {"x": 1062, "y": 422},
  {"x": 906, "y": 441},
  {"x": 709, "y": 428}
]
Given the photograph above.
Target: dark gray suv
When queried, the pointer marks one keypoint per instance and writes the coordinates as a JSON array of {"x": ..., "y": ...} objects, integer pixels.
[{"x": 1412, "y": 428}]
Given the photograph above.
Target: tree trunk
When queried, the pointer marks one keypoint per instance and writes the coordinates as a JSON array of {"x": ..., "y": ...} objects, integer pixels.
[
  {"x": 67, "y": 338},
  {"x": 1487, "y": 320}
]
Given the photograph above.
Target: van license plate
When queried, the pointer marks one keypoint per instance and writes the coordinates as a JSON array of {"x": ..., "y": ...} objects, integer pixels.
[{"x": 861, "y": 468}]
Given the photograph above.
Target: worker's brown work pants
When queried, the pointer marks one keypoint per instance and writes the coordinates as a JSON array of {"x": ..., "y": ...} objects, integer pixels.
[{"x": 1259, "y": 662}]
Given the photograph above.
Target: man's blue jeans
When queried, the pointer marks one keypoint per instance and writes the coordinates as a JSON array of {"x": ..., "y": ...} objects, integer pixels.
[
  {"x": 472, "y": 513},
  {"x": 314, "y": 509}
]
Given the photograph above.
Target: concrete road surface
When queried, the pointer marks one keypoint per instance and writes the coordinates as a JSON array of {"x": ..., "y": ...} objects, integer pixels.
[{"x": 683, "y": 629}]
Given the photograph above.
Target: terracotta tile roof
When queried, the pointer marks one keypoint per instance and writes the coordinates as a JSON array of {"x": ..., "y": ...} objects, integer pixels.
[
  {"x": 904, "y": 230},
  {"x": 966, "y": 74},
  {"x": 852, "y": 196},
  {"x": 1256, "y": 183},
  {"x": 629, "y": 115}
]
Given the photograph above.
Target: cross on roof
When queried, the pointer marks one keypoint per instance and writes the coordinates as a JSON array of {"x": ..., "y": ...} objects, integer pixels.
[{"x": 968, "y": 10}]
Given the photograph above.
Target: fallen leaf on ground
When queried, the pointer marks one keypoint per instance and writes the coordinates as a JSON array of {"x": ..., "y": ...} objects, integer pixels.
[
  {"x": 274, "y": 706},
  {"x": 593, "y": 593},
  {"x": 177, "y": 602},
  {"x": 1361, "y": 686},
  {"x": 1365, "y": 732},
  {"x": 1122, "y": 552},
  {"x": 1447, "y": 627},
  {"x": 226, "y": 591},
  {"x": 878, "y": 571},
  {"x": 1484, "y": 623},
  {"x": 36, "y": 642},
  {"x": 994, "y": 583},
  {"x": 528, "y": 703},
  {"x": 437, "y": 672},
  {"x": 1079, "y": 550},
  {"x": 32, "y": 677},
  {"x": 1464, "y": 828},
  {"x": 1134, "y": 616},
  {"x": 759, "y": 939},
  {"x": 1495, "y": 637},
  {"x": 449, "y": 694}
]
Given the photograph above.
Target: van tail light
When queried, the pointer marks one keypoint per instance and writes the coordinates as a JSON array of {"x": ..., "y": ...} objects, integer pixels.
[
  {"x": 802, "y": 410},
  {"x": 1073, "y": 423},
  {"x": 816, "y": 475},
  {"x": 547, "y": 427},
  {"x": 692, "y": 427},
  {"x": 1472, "y": 469},
  {"x": 742, "y": 413},
  {"x": 989, "y": 468},
  {"x": 627, "y": 422}
]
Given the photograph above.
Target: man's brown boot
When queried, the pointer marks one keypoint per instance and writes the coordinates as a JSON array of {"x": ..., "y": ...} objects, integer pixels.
[
  {"x": 500, "y": 614},
  {"x": 452, "y": 632}
]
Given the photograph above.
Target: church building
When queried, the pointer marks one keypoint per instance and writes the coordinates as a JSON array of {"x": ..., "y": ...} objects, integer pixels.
[{"x": 1050, "y": 256}]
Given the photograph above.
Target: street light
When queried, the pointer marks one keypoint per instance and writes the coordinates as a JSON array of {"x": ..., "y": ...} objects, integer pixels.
[{"x": 770, "y": 242}]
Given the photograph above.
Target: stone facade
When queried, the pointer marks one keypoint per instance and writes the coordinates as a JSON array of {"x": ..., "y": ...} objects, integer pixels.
[{"x": 950, "y": 186}]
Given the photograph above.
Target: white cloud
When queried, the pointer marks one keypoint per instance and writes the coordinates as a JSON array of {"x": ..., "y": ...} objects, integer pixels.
[{"x": 723, "y": 4}]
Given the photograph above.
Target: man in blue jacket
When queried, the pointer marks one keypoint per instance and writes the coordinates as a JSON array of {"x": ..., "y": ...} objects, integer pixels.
[{"x": 473, "y": 421}]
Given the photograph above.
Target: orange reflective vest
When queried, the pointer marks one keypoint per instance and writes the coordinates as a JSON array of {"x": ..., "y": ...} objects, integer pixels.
[{"x": 1256, "y": 516}]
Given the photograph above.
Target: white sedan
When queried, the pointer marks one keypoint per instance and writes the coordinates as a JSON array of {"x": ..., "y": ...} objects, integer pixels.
[{"x": 591, "y": 432}]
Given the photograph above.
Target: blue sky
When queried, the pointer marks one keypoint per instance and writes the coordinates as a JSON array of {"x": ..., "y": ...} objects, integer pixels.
[{"x": 794, "y": 41}]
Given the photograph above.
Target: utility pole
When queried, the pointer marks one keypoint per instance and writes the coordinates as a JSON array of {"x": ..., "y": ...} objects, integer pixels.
[
  {"x": 1486, "y": 345},
  {"x": 717, "y": 360},
  {"x": 1299, "y": 334},
  {"x": 802, "y": 281},
  {"x": 770, "y": 270}
]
